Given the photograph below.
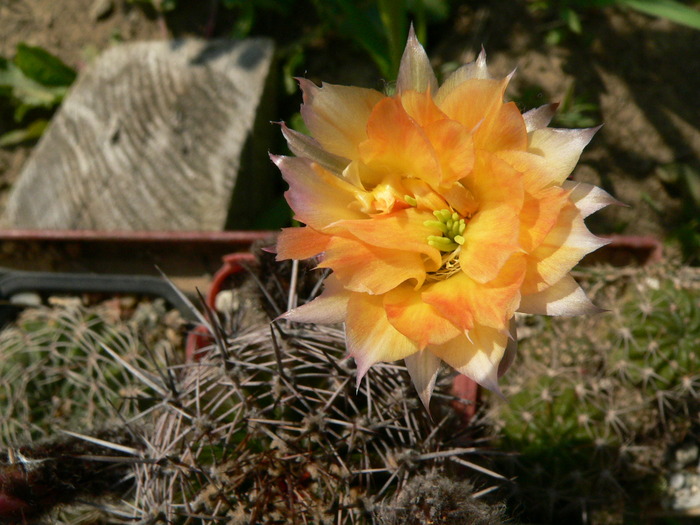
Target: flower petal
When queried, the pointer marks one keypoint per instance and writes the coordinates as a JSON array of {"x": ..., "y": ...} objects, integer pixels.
[
  {"x": 476, "y": 69},
  {"x": 485, "y": 97},
  {"x": 415, "y": 319},
  {"x": 492, "y": 233},
  {"x": 560, "y": 147},
  {"x": 476, "y": 356},
  {"x": 369, "y": 269},
  {"x": 536, "y": 171},
  {"x": 304, "y": 146},
  {"x": 465, "y": 302},
  {"x": 564, "y": 298},
  {"x": 300, "y": 243},
  {"x": 390, "y": 134},
  {"x": 504, "y": 131},
  {"x": 317, "y": 196},
  {"x": 423, "y": 367},
  {"x": 369, "y": 335},
  {"x": 560, "y": 251},
  {"x": 454, "y": 148},
  {"x": 421, "y": 107},
  {"x": 589, "y": 198},
  {"x": 540, "y": 117},
  {"x": 415, "y": 71},
  {"x": 337, "y": 115},
  {"x": 328, "y": 308},
  {"x": 539, "y": 215},
  {"x": 402, "y": 230}
]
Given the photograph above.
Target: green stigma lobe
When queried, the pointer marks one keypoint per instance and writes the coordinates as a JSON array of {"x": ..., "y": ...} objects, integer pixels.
[{"x": 452, "y": 228}]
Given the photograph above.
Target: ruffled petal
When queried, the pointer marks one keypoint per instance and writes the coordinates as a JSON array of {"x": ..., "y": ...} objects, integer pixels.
[
  {"x": 589, "y": 198},
  {"x": 465, "y": 302},
  {"x": 415, "y": 71},
  {"x": 476, "y": 69},
  {"x": 300, "y": 243},
  {"x": 402, "y": 230},
  {"x": 391, "y": 133},
  {"x": 564, "y": 298},
  {"x": 454, "y": 148},
  {"x": 504, "y": 131},
  {"x": 426, "y": 197},
  {"x": 369, "y": 269},
  {"x": 369, "y": 335},
  {"x": 539, "y": 215},
  {"x": 415, "y": 319},
  {"x": 540, "y": 117},
  {"x": 560, "y": 251},
  {"x": 337, "y": 115},
  {"x": 460, "y": 199},
  {"x": 421, "y": 107},
  {"x": 537, "y": 173},
  {"x": 423, "y": 367},
  {"x": 330, "y": 307},
  {"x": 485, "y": 97},
  {"x": 560, "y": 147},
  {"x": 476, "y": 356},
  {"x": 492, "y": 233},
  {"x": 304, "y": 146},
  {"x": 317, "y": 196}
]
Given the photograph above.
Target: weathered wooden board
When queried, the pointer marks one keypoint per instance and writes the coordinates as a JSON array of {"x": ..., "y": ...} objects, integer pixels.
[{"x": 151, "y": 137}]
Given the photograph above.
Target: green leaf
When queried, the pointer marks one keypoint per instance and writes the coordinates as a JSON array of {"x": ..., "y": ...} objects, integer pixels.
[
  {"x": 43, "y": 67},
  {"x": 572, "y": 20},
  {"x": 17, "y": 136},
  {"x": 29, "y": 93},
  {"x": 669, "y": 9},
  {"x": 366, "y": 29}
]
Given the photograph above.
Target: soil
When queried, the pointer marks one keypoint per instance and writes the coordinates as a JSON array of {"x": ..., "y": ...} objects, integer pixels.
[{"x": 640, "y": 74}]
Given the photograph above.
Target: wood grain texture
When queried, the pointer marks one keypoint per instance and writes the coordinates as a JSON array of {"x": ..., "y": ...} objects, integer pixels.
[{"x": 149, "y": 138}]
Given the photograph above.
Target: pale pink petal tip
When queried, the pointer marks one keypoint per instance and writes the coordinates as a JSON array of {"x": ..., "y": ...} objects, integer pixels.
[
  {"x": 423, "y": 367},
  {"x": 491, "y": 383},
  {"x": 363, "y": 366},
  {"x": 415, "y": 71},
  {"x": 565, "y": 298},
  {"x": 304, "y": 146},
  {"x": 589, "y": 198},
  {"x": 483, "y": 371},
  {"x": 540, "y": 117}
]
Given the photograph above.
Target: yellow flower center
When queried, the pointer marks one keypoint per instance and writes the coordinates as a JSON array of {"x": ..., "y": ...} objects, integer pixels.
[
  {"x": 452, "y": 227},
  {"x": 451, "y": 241}
]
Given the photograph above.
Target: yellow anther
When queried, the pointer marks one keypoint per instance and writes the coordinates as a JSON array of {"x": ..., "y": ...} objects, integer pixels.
[
  {"x": 410, "y": 200},
  {"x": 452, "y": 228}
]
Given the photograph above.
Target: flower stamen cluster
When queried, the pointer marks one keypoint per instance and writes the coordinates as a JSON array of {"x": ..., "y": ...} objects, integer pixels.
[{"x": 452, "y": 228}]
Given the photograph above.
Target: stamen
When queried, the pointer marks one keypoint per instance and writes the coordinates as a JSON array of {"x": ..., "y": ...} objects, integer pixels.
[{"x": 452, "y": 228}]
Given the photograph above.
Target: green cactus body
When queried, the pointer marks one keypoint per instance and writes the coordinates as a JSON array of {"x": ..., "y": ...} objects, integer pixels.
[{"x": 596, "y": 401}]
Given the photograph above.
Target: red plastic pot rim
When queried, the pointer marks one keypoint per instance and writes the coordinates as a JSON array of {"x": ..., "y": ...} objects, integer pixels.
[{"x": 175, "y": 236}]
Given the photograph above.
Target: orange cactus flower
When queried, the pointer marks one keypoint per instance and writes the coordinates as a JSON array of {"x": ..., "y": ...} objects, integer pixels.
[{"x": 441, "y": 212}]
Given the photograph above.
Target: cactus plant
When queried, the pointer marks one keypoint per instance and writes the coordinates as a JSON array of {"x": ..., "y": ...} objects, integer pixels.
[
  {"x": 264, "y": 426},
  {"x": 57, "y": 373},
  {"x": 598, "y": 400},
  {"x": 268, "y": 427}
]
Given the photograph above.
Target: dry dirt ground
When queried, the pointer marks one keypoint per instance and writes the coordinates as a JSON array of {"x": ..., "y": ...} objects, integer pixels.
[{"x": 642, "y": 74}]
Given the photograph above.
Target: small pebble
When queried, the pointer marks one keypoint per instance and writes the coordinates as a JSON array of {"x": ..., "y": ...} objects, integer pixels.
[
  {"x": 686, "y": 455},
  {"x": 676, "y": 481}
]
